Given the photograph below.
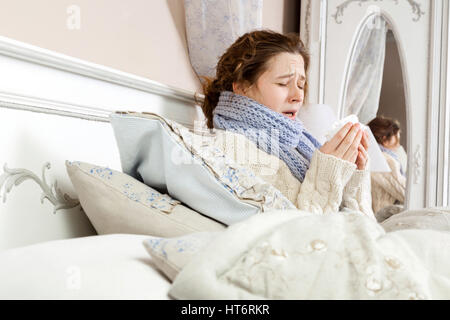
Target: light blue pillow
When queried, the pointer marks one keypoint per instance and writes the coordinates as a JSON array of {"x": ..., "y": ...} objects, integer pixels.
[{"x": 168, "y": 157}]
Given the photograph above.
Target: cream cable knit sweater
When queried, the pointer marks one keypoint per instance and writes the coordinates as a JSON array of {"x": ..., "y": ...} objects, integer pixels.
[
  {"x": 388, "y": 187},
  {"x": 330, "y": 184}
]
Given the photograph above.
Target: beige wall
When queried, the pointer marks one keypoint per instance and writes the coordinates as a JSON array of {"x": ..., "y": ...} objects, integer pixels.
[{"x": 142, "y": 37}]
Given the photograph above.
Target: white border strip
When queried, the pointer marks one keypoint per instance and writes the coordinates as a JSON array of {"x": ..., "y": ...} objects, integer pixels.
[
  {"x": 34, "y": 54},
  {"x": 45, "y": 106},
  {"x": 431, "y": 183},
  {"x": 34, "y": 104},
  {"x": 444, "y": 126},
  {"x": 438, "y": 148},
  {"x": 323, "y": 48}
]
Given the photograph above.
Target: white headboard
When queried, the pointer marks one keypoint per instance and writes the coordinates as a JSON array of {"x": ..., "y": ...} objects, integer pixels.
[{"x": 55, "y": 108}]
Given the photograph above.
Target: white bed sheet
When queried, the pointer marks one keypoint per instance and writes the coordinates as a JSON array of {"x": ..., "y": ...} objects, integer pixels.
[{"x": 97, "y": 267}]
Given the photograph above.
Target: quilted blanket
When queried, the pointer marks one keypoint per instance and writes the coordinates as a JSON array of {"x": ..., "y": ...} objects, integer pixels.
[{"x": 292, "y": 254}]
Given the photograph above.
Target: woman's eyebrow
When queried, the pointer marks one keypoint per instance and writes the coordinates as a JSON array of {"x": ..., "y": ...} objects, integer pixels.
[{"x": 302, "y": 78}]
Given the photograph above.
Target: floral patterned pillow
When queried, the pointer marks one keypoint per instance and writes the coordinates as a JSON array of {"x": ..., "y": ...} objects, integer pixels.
[
  {"x": 165, "y": 154},
  {"x": 172, "y": 254},
  {"x": 117, "y": 203}
]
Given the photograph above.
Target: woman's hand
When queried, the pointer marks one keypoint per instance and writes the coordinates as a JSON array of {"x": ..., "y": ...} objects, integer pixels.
[
  {"x": 345, "y": 144},
  {"x": 362, "y": 158}
]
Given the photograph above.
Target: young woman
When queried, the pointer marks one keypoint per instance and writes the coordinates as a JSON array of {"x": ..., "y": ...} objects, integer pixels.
[
  {"x": 260, "y": 86},
  {"x": 388, "y": 188}
]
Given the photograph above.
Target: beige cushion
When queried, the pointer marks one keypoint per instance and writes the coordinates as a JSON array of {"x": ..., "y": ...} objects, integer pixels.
[{"x": 117, "y": 203}]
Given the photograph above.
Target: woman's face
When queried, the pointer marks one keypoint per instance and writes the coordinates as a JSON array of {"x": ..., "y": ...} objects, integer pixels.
[
  {"x": 393, "y": 143},
  {"x": 281, "y": 86}
]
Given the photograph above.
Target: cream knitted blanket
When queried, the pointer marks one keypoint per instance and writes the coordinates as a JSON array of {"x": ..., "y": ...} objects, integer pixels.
[{"x": 299, "y": 255}]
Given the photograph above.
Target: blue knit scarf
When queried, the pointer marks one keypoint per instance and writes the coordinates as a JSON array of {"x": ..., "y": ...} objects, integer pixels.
[
  {"x": 269, "y": 130},
  {"x": 393, "y": 155}
]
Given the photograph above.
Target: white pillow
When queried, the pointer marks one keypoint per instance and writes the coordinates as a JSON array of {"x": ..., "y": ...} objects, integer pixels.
[
  {"x": 97, "y": 267},
  {"x": 167, "y": 156},
  {"x": 435, "y": 218}
]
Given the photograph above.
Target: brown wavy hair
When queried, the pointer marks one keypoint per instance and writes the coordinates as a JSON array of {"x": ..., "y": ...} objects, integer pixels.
[
  {"x": 245, "y": 60},
  {"x": 384, "y": 128}
]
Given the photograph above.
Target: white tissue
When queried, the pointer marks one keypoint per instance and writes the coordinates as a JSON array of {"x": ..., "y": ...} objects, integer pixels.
[
  {"x": 377, "y": 161},
  {"x": 337, "y": 125},
  {"x": 317, "y": 119}
]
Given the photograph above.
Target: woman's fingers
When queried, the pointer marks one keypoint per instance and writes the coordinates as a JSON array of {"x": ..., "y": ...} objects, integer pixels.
[
  {"x": 365, "y": 154},
  {"x": 361, "y": 162},
  {"x": 354, "y": 156},
  {"x": 365, "y": 140},
  {"x": 352, "y": 149},
  {"x": 362, "y": 159},
  {"x": 339, "y": 136},
  {"x": 348, "y": 142}
]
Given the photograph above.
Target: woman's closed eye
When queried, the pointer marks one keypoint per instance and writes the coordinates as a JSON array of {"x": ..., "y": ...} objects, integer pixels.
[{"x": 285, "y": 85}]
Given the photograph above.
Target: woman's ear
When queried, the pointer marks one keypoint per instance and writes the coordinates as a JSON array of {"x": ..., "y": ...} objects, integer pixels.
[
  {"x": 397, "y": 139},
  {"x": 238, "y": 88}
]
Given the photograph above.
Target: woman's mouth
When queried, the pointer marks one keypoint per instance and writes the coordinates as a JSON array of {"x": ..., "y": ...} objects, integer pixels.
[{"x": 290, "y": 115}]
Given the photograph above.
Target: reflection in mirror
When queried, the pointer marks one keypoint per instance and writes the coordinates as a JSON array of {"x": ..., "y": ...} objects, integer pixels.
[
  {"x": 374, "y": 91},
  {"x": 362, "y": 91}
]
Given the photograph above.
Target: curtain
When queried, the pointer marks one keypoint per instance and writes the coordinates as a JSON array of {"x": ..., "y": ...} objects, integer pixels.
[
  {"x": 213, "y": 25},
  {"x": 362, "y": 94}
]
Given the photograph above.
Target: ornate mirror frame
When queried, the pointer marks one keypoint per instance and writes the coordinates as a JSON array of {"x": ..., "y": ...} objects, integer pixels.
[
  {"x": 346, "y": 78},
  {"x": 421, "y": 30}
]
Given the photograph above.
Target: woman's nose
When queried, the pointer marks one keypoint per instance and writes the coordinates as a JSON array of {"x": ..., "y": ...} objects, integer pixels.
[{"x": 296, "y": 95}]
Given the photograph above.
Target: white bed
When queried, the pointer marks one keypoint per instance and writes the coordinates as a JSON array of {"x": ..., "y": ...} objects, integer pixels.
[
  {"x": 96, "y": 267},
  {"x": 55, "y": 108}
]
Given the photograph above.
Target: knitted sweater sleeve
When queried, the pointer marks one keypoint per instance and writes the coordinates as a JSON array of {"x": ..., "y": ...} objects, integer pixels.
[
  {"x": 357, "y": 193},
  {"x": 323, "y": 186},
  {"x": 393, "y": 183}
]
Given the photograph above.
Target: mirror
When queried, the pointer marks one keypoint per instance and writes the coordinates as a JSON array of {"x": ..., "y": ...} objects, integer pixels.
[{"x": 374, "y": 90}]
